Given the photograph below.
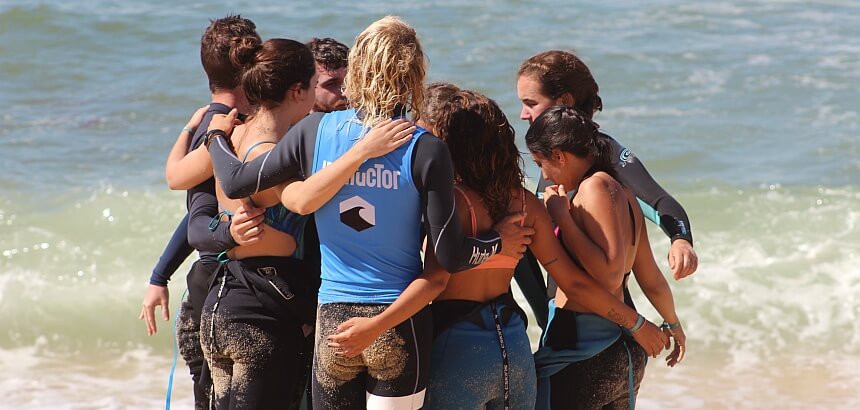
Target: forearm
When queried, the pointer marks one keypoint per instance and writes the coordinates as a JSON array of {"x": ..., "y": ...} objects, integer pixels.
[
  {"x": 415, "y": 297},
  {"x": 202, "y": 208},
  {"x": 305, "y": 197},
  {"x": 663, "y": 301},
  {"x": 176, "y": 251},
  {"x": 657, "y": 205}
]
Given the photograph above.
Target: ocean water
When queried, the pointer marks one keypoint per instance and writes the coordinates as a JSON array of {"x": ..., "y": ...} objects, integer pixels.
[{"x": 746, "y": 111}]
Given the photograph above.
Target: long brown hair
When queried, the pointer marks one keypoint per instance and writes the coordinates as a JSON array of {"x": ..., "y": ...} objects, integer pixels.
[{"x": 481, "y": 141}]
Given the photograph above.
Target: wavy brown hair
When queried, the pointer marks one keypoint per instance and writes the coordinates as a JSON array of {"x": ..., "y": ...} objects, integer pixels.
[
  {"x": 386, "y": 71},
  {"x": 436, "y": 96},
  {"x": 481, "y": 141}
]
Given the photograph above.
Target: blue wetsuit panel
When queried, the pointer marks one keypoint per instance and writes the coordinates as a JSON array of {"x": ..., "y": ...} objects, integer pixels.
[{"x": 370, "y": 231}]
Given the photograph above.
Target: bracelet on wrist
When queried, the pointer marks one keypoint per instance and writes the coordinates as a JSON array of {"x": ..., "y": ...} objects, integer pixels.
[
  {"x": 211, "y": 135},
  {"x": 670, "y": 326},
  {"x": 640, "y": 321},
  {"x": 189, "y": 130}
]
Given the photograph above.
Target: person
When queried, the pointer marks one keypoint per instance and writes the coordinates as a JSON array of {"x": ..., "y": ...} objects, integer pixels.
[
  {"x": 330, "y": 56},
  {"x": 557, "y": 77},
  {"x": 480, "y": 332},
  {"x": 587, "y": 360},
  {"x": 374, "y": 329},
  {"x": 216, "y": 45}
]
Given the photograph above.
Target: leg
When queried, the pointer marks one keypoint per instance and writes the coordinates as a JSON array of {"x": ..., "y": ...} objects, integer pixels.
[
  {"x": 592, "y": 383},
  {"x": 336, "y": 382},
  {"x": 464, "y": 352},
  {"x": 188, "y": 334},
  {"x": 398, "y": 364}
]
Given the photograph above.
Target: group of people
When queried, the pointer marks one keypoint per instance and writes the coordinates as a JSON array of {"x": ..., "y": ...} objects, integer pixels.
[{"x": 359, "y": 230}]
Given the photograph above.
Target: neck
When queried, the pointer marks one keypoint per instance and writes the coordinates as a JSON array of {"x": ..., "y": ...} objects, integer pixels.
[
  {"x": 233, "y": 98},
  {"x": 578, "y": 172},
  {"x": 265, "y": 122}
]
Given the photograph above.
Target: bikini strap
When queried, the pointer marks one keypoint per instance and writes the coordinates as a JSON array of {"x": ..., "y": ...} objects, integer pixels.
[
  {"x": 248, "y": 152},
  {"x": 471, "y": 209}
]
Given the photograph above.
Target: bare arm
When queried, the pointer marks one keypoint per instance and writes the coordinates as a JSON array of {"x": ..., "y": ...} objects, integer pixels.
[
  {"x": 651, "y": 280},
  {"x": 187, "y": 171},
  {"x": 305, "y": 197}
]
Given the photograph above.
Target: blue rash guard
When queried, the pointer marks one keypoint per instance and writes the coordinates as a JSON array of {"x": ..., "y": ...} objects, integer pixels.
[{"x": 378, "y": 203}]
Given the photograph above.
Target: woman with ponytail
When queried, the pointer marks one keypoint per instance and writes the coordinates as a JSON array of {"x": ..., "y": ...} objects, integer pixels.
[{"x": 586, "y": 361}]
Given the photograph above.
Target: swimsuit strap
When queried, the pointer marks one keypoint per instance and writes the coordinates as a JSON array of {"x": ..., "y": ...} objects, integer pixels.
[
  {"x": 632, "y": 221},
  {"x": 248, "y": 152},
  {"x": 471, "y": 209}
]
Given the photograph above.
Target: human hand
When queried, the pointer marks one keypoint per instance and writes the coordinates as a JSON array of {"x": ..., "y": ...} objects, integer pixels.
[
  {"x": 225, "y": 122},
  {"x": 197, "y": 118},
  {"x": 556, "y": 202},
  {"x": 354, "y": 335},
  {"x": 384, "y": 138},
  {"x": 682, "y": 259},
  {"x": 677, "y": 355},
  {"x": 515, "y": 238},
  {"x": 651, "y": 338},
  {"x": 155, "y": 296},
  {"x": 245, "y": 226}
]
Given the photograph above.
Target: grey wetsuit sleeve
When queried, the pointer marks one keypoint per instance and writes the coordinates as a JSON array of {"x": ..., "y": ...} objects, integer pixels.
[
  {"x": 176, "y": 251},
  {"x": 433, "y": 173},
  {"x": 289, "y": 158},
  {"x": 202, "y": 207},
  {"x": 665, "y": 210}
]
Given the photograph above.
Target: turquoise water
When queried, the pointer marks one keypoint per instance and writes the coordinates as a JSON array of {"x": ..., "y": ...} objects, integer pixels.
[{"x": 746, "y": 111}]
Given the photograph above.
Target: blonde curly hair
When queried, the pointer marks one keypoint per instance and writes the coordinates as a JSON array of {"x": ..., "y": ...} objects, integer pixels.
[{"x": 386, "y": 69}]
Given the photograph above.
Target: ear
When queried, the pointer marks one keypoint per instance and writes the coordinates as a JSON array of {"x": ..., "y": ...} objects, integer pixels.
[
  {"x": 566, "y": 99},
  {"x": 558, "y": 156}
]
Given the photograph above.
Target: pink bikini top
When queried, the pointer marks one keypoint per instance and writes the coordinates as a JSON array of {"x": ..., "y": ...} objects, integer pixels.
[{"x": 497, "y": 261}]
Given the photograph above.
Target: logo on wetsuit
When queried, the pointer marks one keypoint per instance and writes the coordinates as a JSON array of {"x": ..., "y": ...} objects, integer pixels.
[
  {"x": 374, "y": 177},
  {"x": 479, "y": 257},
  {"x": 624, "y": 158},
  {"x": 357, "y": 213}
]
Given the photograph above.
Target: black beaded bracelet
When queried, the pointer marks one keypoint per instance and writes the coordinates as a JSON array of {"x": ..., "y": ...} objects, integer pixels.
[{"x": 211, "y": 135}]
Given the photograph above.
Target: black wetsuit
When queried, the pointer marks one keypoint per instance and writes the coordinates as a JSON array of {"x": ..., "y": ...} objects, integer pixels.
[
  {"x": 193, "y": 233},
  {"x": 656, "y": 203},
  {"x": 432, "y": 175}
]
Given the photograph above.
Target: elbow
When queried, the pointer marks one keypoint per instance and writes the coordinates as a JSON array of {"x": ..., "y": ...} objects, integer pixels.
[
  {"x": 232, "y": 192},
  {"x": 575, "y": 288},
  {"x": 438, "y": 283},
  {"x": 298, "y": 206},
  {"x": 174, "y": 182}
]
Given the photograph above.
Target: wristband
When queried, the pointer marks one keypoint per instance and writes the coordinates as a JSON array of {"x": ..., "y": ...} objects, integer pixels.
[
  {"x": 212, "y": 134},
  {"x": 189, "y": 129},
  {"x": 670, "y": 326},
  {"x": 640, "y": 321}
]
